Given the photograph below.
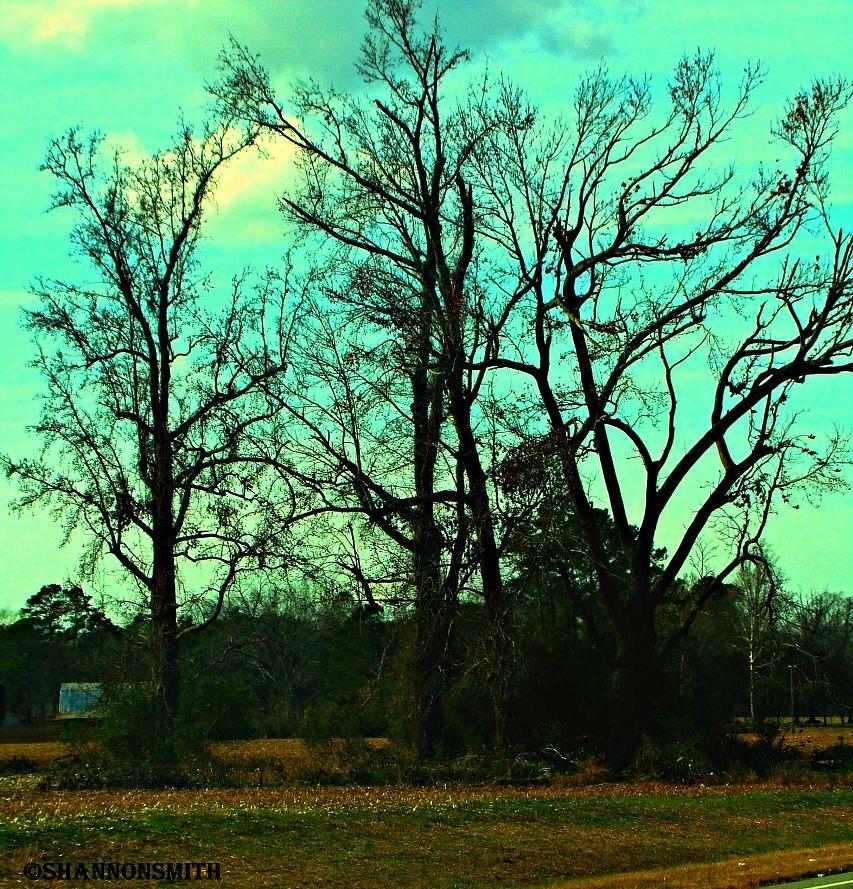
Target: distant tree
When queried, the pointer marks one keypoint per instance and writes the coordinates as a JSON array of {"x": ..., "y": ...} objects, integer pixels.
[
  {"x": 64, "y": 612},
  {"x": 58, "y": 636},
  {"x": 702, "y": 679},
  {"x": 562, "y": 637},
  {"x": 759, "y": 606},
  {"x": 157, "y": 421},
  {"x": 820, "y": 646},
  {"x": 31, "y": 669}
]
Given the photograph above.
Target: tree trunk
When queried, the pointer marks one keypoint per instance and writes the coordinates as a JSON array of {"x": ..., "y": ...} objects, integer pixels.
[
  {"x": 433, "y": 609},
  {"x": 636, "y": 682},
  {"x": 751, "y": 684},
  {"x": 164, "y": 603},
  {"x": 492, "y": 581},
  {"x": 434, "y": 612},
  {"x": 483, "y": 525},
  {"x": 164, "y": 642},
  {"x": 431, "y": 674}
]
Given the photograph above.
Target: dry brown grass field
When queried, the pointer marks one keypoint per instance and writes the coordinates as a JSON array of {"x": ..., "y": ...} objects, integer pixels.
[
  {"x": 41, "y": 753},
  {"x": 805, "y": 740},
  {"x": 809, "y": 740}
]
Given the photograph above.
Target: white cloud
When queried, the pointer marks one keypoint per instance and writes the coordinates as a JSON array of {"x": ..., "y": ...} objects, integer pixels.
[
  {"x": 255, "y": 176},
  {"x": 128, "y": 143}
]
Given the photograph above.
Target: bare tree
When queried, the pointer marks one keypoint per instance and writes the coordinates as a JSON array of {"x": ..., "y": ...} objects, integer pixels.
[
  {"x": 158, "y": 418},
  {"x": 636, "y": 260},
  {"x": 818, "y": 637},
  {"x": 384, "y": 183},
  {"x": 759, "y": 605},
  {"x": 602, "y": 260},
  {"x": 390, "y": 513}
]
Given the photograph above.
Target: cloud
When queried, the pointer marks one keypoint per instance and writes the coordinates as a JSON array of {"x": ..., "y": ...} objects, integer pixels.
[
  {"x": 65, "y": 22},
  {"x": 321, "y": 40},
  {"x": 295, "y": 39},
  {"x": 255, "y": 175},
  {"x": 298, "y": 38},
  {"x": 245, "y": 196},
  {"x": 128, "y": 143},
  {"x": 243, "y": 205}
]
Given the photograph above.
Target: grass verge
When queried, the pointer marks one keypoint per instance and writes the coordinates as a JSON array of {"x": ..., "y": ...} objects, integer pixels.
[
  {"x": 438, "y": 838},
  {"x": 742, "y": 872}
]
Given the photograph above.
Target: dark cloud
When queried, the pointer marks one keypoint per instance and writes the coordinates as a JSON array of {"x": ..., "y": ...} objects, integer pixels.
[
  {"x": 572, "y": 28},
  {"x": 321, "y": 39}
]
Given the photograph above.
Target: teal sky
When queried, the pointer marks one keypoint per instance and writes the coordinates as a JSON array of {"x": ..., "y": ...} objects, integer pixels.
[{"x": 125, "y": 67}]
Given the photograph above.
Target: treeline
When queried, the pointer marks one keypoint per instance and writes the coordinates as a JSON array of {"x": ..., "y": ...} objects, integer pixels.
[{"x": 299, "y": 666}]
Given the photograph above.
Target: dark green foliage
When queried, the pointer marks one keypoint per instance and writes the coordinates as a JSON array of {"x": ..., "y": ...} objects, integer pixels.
[
  {"x": 341, "y": 680},
  {"x": 221, "y": 707},
  {"x": 132, "y": 747},
  {"x": 94, "y": 771},
  {"x": 58, "y": 612},
  {"x": 340, "y": 674},
  {"x": 838, "y": 757},
  {"x": 701, "y": 682},
  {"x": 678, "y": 760},
  {"x": 59, "y": 636}
]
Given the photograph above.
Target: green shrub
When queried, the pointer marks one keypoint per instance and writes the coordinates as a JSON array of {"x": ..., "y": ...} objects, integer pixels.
[
  {"x": 837, "y": 758},
  {"x": 217, "y": 708},
  {"x": 328, "y": 719}
]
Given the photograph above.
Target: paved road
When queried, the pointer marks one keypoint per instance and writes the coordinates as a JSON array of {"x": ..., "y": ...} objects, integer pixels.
[{"x": 838, "y": 880}]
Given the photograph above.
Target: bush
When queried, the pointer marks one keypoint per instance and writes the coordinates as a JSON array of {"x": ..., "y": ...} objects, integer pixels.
[
  {"x": 353, "y": 761},
  {"x": 217, "y": 708},
  {"x": 131, "y": 729},
  {"x": 131, "y": 748},
  {"x": 681, "y": 761},
  {"x": 93, "y": 769},
  {"x": 18, "y": 765},
  {"x": 328, "y": 719},
  {"x": 836, "y": 758}
]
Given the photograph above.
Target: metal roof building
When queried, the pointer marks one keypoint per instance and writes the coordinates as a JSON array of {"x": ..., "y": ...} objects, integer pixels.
[{"x": 78, "y": 700}]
